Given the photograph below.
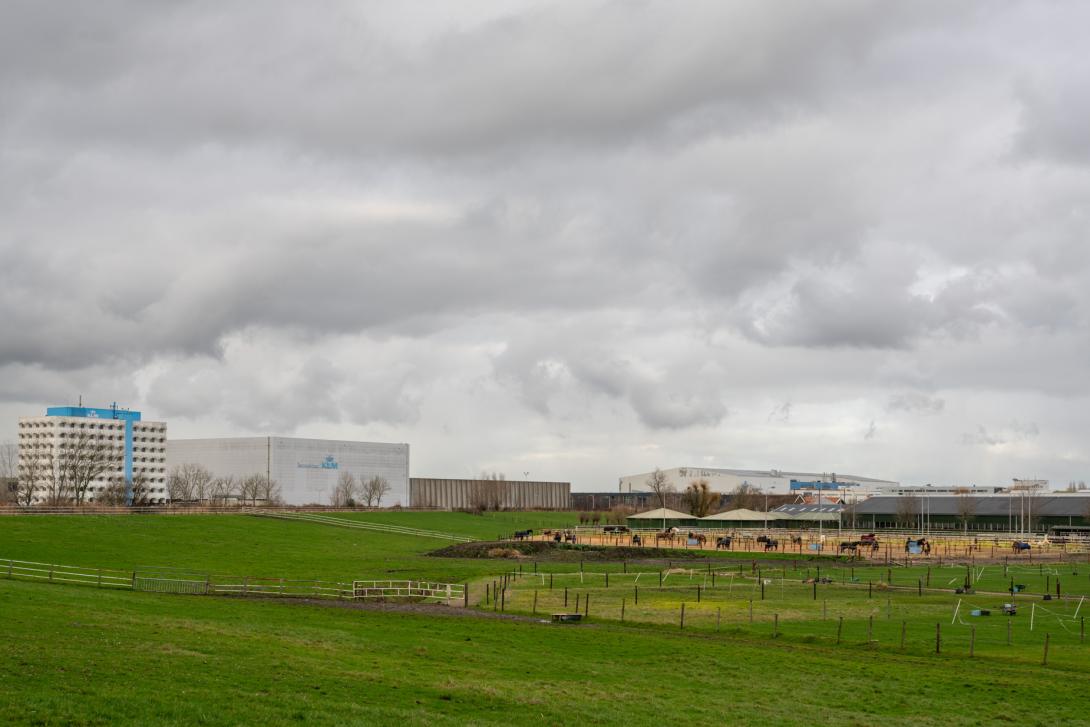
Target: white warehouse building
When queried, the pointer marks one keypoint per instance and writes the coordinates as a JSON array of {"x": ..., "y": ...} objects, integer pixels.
[
  {"x": 770, "y": 482},
  {"x": 306, "y": 470}
]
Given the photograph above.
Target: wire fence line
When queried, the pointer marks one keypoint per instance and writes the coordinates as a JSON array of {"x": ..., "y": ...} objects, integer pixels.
[{"x": 170, "y": 580}]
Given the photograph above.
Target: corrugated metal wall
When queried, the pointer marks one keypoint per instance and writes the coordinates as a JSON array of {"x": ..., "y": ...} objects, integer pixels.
[{"x": 492, "y": 494}]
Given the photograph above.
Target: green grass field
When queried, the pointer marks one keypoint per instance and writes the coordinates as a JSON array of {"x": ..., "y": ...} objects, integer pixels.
[{"x": 79, "y": 655}]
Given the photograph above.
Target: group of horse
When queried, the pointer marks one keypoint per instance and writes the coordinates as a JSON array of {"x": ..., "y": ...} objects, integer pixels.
[
  {"x": 866, "y": 542},
  {"x": 557, "y": 536}
]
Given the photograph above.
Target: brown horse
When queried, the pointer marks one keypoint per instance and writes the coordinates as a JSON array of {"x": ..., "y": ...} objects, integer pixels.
[
  {"x": 700, "y": 538},
  {"x": 666, "y": 535}
]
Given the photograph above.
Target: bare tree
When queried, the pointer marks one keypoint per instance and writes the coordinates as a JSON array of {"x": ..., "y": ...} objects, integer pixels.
[
  {"x": 699, "y": 498},
  {"x": 660, "y": 486},
  {"x": 9, "y": 471},
  {"x": 32, "y": 465},
  {"x": 746, "y": 497},
  {"x": 269, "y": 491},
  {"x": 114, "y": 493},
  {"x": 374, "y": 490},
  {"x": 249, "y": 488},
  {"x": 908, "y": 510},
  {"x": 85, "y": 460},
  {"x": 966, "y": 508},
  {"x": 344, "y": 492},
  {"x": 188, "y": 483},
  {"x": 221, "y": 489}
]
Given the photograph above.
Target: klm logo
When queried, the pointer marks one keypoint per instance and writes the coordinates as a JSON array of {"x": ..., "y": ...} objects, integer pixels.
[{"x": 329, "y": 463}]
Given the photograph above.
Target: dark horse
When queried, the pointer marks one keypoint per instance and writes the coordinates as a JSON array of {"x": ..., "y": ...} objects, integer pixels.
[
  {"x": 853, "y": 546},
  {"x": 523, "y": 534},
  {"x": 771, "y": 544},
  {"x": 1019, "y": 545},
  {"x": 723, "y": 543}
]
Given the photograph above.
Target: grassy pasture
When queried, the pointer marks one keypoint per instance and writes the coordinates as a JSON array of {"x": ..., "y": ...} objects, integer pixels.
[
  {"x": 71, "y": 654},
  {"x": 252, "y": 546},
  {"x": 871, "y": 613},
  {"x": 80, "y": 656}
]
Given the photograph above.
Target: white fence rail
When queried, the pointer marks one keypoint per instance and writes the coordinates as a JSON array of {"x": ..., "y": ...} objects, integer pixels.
[{"x": 166, "y": 580}]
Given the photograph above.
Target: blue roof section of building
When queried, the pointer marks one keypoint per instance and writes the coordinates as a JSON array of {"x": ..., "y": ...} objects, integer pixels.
[{"x": 93, "y": 413}]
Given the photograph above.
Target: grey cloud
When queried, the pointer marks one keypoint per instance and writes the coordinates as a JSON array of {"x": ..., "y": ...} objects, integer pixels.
[
  {"x": 915, "y": 402},
  {"x": 1014, "y": 432},
  {"x": 579, "y": 235}
]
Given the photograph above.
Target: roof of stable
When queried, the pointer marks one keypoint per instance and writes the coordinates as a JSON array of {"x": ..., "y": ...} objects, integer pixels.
[
  {"x": 1042, "y": 505},
  {"x": 661, "y": 513}
]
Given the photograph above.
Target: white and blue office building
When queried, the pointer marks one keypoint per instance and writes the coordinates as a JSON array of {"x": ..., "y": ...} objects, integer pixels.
[{"x": 140, "y": 448}]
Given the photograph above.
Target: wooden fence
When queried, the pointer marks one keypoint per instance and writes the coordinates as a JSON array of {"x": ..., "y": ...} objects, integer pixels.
[{"x": 169, "y": 580}]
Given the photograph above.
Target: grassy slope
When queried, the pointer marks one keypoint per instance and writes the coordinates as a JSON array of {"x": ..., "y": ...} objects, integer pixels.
[
  {"x": 242, "y": 545},
  {"x": 77, "y": 655}
]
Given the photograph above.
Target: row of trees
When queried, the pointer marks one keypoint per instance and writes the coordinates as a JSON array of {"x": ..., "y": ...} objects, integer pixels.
[
  {"x": 700, "y": 500},
  {"x": 69, "y": 472},
  {"x": 351, "y": 492},
  {"x": 194, "y": 483}
]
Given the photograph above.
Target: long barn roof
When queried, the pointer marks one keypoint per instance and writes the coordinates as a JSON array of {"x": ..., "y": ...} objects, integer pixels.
[{"x": 1042, "y": 505}]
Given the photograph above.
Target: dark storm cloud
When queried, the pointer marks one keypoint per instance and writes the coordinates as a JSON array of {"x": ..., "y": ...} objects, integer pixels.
[{"x": 667, "y": 225}]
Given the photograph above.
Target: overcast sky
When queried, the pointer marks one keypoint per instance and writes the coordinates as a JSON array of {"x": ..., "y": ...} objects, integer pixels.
[{"x": 571, "y": 239}]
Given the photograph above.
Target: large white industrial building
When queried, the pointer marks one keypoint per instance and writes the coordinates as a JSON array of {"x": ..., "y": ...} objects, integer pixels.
[
  {"x": 94, "y": 450},
  {"x": 770, "y": 482},
  {"x": 306, "y": 470}
]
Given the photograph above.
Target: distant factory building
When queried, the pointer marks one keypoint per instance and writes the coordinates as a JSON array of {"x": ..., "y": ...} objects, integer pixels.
[
  {"x": 446, "y": 494},
  {"x": 769, "y": 482},
  {"x": 306, "y": 470}
]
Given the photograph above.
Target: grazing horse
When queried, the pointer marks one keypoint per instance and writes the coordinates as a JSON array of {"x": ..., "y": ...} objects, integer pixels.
[
  {"x": 853, "y": 546},
  {"x": 763, "y": 538},
  {"x": 722, "y": 543},
  {"x": 797, "y": 540},
  {"x": 1019, "y": 545},
  {"x": 771, "y": 544},
  {"x": 637, "y": 540},
  {"x": 666, "y": 535},
  {"x": 700, "y": 538},
  {"x": 523, "y": 534},
  {"x": 569, "y": 537}
]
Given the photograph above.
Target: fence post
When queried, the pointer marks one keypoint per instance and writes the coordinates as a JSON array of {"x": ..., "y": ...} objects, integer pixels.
[
  {"x": 565, "y": 596},
  {"x": 535, "y": 601},
  {"x": 133, "y": 584},
  {"x": 1082, "y": 629},
  {"x": 586, "y": 605},
  {"x": 938, "y": 638},
  {"x": 698, "y": 594},
  {"x": 503, "y": 599},
  {"x": 465, "y": 594},
  {"x": 607, "y": 579},
  {"x": 839, "y": 628},
  {"x": 245, "y": 585},
  {"x": 550, "y": 581},
  {"x": 577, "y": 597},
  {"x": 683, "y": 614},
  {"x": 636, "y": 594},
  {"x": 775, "y": 625},
  {"x": 919, "y": 587},
  {"x": 622, "y": 609},
  {"x": 762, "y": 588},
  {"x": 1045, "y": 661}
]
